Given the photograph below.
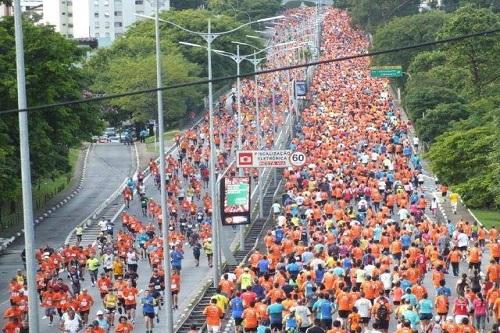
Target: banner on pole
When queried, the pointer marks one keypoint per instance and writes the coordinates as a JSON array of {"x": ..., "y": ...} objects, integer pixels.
[{"x": 235, "y": 200}]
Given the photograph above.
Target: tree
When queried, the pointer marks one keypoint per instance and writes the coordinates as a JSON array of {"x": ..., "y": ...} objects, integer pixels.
[
  {"x": 452, "y": 5},
  {"x": 421, "y": 99},
  {"x": 439, "y": 120},
  {"x": 370, "y": 14},
  {"x": 196, "y": 20},
  {"x": 128, "y": 73},
  {"x": 129, "y": 64},
  {"x": 245, "y": 10},
  {"x": 186, "y": 4},
  {"x": 405, "y": 31},
  {"x": 478, "y": 55},
  {"x": 465, "y": 160},
  {"x": 424, "y": 61},
  {"x": 52, "y": 75}
]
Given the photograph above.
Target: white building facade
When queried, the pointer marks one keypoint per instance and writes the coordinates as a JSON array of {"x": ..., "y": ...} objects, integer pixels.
[
  {"x": 31, "y": 6},
  {"x": 102, "y": 19}
]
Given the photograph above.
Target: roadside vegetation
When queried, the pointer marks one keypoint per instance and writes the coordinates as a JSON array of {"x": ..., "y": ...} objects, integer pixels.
[{"x": 451, "y": 91}]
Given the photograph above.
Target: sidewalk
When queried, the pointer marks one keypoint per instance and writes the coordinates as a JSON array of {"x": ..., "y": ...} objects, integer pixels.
[{"x": 445, "y": 213}]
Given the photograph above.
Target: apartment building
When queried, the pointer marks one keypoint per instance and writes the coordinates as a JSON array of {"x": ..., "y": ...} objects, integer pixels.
[
  {"x": 27, "y": 6},
  {"x": 101, "y": 19}
]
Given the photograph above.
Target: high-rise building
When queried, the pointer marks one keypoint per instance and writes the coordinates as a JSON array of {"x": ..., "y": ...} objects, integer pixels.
[
  {"x": 27, "y": 6},
  {"x": 101, "y": 19}
]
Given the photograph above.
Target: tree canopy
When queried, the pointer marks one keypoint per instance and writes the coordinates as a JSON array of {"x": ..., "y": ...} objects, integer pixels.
[
  {"x": 370, "y": 14},
  {"x": 129, "y": 64},
  {"x": 52, "y": 75},
  {"x": 245, "y": 10},
  {"x": 406, "y": 31},
  {"x": 452, "y": 95}
]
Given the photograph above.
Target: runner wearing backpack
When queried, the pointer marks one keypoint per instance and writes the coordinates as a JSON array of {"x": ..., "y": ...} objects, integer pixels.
[{"x": 381, "y": 312}]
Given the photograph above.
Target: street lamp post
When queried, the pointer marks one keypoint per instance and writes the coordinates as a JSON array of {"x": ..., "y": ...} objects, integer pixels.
[
  {"x": 29, "y": 232},
  {"x": 165, "y": 225},
  {"x": 237, "y": 58},
  {"x": 169, "y": 321},
  {"x": 209, "y": 37}
]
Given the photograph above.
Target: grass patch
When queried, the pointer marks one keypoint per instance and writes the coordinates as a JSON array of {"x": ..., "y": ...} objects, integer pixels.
[
  {"x": 167, "y": 136},
  {"x": 489, "y": 218},
  {"x": 46, "y": 189}
]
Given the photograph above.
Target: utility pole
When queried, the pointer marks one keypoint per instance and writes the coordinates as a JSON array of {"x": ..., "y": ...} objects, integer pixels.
[
  {"x": 163, "y": 197},
  {"x": 29, "y": 230}
]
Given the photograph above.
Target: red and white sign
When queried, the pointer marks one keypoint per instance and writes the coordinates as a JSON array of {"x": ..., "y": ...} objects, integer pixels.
[
  {"x": 263, "y": 158},
  {"x": 245, "y": 159},
  {"x": 297, "y": 159}
]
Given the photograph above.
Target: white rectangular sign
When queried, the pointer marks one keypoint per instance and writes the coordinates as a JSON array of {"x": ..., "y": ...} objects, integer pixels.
[{"x": 263, "y": 158}]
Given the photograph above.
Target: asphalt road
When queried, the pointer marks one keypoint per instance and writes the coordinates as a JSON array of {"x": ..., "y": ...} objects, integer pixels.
[
  {"x": 107, "y": 166},
  {"x": 192, "y": 277}
]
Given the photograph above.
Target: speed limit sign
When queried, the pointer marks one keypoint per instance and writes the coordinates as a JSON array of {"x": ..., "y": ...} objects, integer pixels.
[{"x": 297, "y": 159}]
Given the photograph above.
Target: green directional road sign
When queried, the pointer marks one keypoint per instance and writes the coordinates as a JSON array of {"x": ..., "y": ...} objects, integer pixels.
[{"x": 386, "y": 71}]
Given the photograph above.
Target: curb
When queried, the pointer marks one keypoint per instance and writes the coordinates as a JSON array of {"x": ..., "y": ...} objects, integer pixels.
[{"x": 52, "y": 209}]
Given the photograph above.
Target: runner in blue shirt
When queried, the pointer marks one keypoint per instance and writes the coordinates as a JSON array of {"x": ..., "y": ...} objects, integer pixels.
[
  {"x": 148, "y": 310},
  {"x": 236, "y": 305},
  {"x": 275, "y": 312},
  {"x": 324, "y": 309},
  {"x": 176, "y": 257}
]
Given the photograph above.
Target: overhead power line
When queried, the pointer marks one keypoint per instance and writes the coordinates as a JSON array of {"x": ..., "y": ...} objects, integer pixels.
[{"x": 265, "y": 71}]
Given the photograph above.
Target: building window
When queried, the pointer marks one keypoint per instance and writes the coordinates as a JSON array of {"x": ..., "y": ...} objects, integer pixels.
[
  {"x": 139, "y": 2},
  {"x": 96, "y": 15},
  {"x": 106, "y": 14},
  {"x": 70, "y": 14},
  {"x": 107, "y": 34},
  {"x": 97, "y": 35},
  {"x": 63, "y": 13},
  {"x": 70, "y": 36},
  {"x": 118, "y": 24},
  {"x": 70, "y": 25},
  {"x": 118, "y": 13},
  {"x": 70, "y": 3}
]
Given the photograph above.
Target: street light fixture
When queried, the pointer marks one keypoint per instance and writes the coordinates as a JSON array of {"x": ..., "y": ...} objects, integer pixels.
[
  {"x": 238, "y": 59},
  {"x": 209, "y": 37},
  {"x": 169, "y": 321}
]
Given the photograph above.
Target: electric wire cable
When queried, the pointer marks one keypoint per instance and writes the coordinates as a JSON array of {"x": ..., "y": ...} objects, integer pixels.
[{"x": 250, "y": 74}]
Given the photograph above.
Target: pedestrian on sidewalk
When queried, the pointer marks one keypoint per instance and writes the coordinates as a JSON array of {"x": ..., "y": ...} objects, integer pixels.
[
  {"x": 209, "y": 251},
  {"x": 454, "y": 196},
  {"x": 197, "y": 252}
]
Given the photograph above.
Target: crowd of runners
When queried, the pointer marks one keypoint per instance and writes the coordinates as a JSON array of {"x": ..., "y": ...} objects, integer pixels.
[
  {"x": 352, "y": 250},
  {"x": 355, "y": 247},
  {"x": 111, "y": 263}
]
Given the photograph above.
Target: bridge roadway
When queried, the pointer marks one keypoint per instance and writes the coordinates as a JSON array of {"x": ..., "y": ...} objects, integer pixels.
[
  {"x": 107, "y": 166},
  {"x": 55, "y": 230}
]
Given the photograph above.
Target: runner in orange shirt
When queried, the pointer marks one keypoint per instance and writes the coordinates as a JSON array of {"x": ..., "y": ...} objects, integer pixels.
[
  {"x": 85, "y": 302},
  {"x": 124, "y": 326},
  {"x": 213, "y": 316},
  {"x": 130, "y": 298}
]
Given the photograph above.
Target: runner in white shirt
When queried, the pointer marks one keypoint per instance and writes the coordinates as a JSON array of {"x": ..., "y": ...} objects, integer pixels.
[
  {"x": 364, "y": 307},
  {"x": 386, "y": 279},
  {"x": 132, "y": 260},
  {"x": 70, "y": 322}
]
